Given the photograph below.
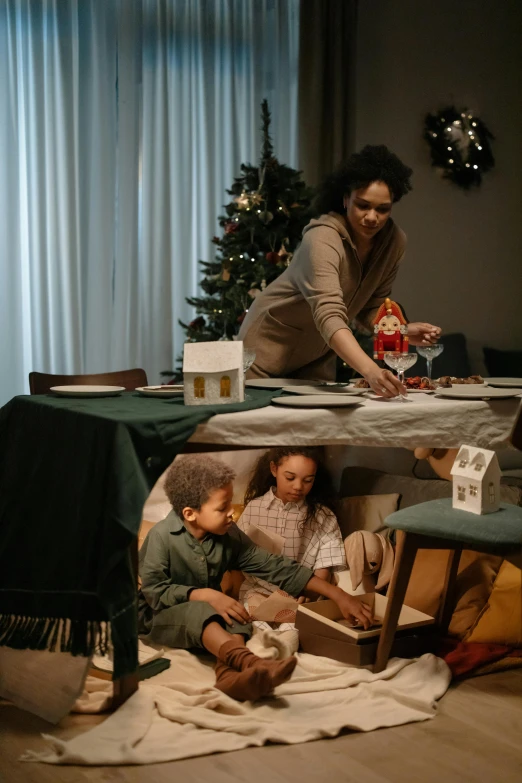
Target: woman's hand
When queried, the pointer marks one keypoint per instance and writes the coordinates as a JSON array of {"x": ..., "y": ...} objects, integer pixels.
[
  {"x": 354, "y": 610},
  {"x": 384, "y": 383},
  {"x": 420, "y": 333},
  {"x": 229, "y": 609}
]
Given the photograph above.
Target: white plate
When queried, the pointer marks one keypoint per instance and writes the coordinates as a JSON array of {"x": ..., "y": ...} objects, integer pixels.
[
  {"x": 459, "y": 385},
  {"x": 278, "y": 383},
  {"x": 161, "y": 391},
  {"x": 343, "y": 390},
  {"x": 88, "y": 391},
  {"x": 420, "y": 391},
  {"x": 476, "y": 392},
  {"x": 317, "y": 401},
  {"x": 505, "y": 383}
]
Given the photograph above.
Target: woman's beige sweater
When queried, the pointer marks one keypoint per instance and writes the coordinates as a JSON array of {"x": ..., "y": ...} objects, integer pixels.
[{"x": 291, "y": 323}]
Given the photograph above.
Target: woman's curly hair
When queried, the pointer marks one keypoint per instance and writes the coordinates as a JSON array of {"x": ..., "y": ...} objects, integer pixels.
[
  {"x": 322, "y": 492},
  {"x": 191, "y": 480},
  {"x": 371, "y": 164}
]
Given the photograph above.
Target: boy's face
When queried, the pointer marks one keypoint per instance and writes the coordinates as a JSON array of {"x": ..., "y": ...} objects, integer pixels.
[{"x": 214, "y": 516}]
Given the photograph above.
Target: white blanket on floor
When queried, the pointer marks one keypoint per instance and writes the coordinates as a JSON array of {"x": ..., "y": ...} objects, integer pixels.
[{"x": 179, "y": 714}]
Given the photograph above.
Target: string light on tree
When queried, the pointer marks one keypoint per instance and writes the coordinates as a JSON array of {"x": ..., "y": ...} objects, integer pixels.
[{"x": 467, "y": 138}]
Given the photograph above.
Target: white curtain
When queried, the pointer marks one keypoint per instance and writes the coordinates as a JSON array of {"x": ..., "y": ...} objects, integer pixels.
[{"x": 123, "y": 122}]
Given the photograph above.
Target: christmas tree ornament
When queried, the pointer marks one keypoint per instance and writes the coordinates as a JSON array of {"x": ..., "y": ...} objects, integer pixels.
[
  {"x": 225, "y": 274},
  {"x": 263, "y": 285},
  {"x": 265, "y": 217},
  {"x": 282, "y": 253},
  {"x": 390, "y": 330},
  {"x": 459, "y": 145},
  {"x": 272, "y": 257},
  {"x": 242, "y": 201},
  {"x": 231, "y": 226}
]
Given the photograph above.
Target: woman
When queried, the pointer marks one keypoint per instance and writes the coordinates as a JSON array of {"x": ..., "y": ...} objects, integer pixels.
[{"x": 341, "y": 272}]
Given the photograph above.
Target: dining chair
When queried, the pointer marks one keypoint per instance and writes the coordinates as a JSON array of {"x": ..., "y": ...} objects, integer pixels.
[
  {"x": 437, "y": 525},
  {"x": 41, "y": 382}
]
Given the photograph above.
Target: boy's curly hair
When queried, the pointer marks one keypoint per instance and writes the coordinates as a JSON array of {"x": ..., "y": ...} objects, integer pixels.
[
  {"x": 322, "y": 492},
  {"x": 371, "y": 164},
  {"x": 191, "y": 480}
]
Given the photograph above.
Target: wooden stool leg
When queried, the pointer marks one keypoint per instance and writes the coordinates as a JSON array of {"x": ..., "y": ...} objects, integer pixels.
[
  {"x": 404, "y": 558},
  {"x": 447, "y": 603},
  {"x": 123, "y": 688}
]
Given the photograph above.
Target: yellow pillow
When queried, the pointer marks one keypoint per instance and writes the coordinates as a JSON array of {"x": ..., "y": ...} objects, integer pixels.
[
  {"x": 500, "y": 622},
  {"x": 477, "y": 573}
]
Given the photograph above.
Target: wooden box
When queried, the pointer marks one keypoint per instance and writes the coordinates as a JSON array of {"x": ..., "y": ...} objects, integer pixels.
[{"x": 320, "y": 632}]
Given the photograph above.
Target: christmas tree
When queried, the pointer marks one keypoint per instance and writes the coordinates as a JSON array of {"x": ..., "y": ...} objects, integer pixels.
[{"x": 261, "y": 229}]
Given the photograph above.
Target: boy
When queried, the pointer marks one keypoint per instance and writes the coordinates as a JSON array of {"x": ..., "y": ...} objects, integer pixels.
[{"x": 182, "y": 562}]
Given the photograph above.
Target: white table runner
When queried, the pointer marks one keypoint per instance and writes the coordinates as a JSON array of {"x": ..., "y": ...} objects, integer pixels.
[{"x": 423, "y": 420}]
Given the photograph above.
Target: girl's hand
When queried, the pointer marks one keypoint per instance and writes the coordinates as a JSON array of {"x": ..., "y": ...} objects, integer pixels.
[
  {"x": 354, "y": 610},
  {"x": 229, "y": 609},
  {"x": 420, "y": 333},
  {"x": 303, "y": 599},
  {"x": 384, "y": 383}
]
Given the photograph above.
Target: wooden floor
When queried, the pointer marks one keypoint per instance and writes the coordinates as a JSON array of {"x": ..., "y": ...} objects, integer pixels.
[{"x": 476, "y": 737}]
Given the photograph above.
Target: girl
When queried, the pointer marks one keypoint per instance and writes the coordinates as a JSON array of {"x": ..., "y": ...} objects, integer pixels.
[{"x": 290, "y": 495}]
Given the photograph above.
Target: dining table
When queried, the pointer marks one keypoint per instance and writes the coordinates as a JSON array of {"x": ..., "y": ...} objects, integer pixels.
[{"x": 75, "y": 474}]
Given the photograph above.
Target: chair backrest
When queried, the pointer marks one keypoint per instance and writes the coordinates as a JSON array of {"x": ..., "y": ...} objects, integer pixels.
[{"x": 41, "y": 382}]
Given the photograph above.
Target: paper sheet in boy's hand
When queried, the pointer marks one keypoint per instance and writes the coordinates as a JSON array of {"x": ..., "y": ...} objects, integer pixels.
[
  {"x": 272, "y": 542},
  {"x": 277, "y": 608}
]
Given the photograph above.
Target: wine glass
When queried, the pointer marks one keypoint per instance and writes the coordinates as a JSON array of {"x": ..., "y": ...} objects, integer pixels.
[
  {"x": 400, "y": 362},
  {"x": 249, "y": 358},
  {"x": 430, "y": 352}
]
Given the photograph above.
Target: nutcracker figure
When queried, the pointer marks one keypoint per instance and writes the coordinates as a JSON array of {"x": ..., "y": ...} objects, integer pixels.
[{"x": 390, "y": 330}]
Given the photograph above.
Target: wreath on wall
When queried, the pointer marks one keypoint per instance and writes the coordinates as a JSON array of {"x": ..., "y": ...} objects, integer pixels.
[{"x": 459, "y": 144}]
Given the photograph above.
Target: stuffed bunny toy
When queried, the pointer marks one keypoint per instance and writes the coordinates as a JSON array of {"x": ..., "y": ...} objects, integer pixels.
[{"x": 370, "y": 559}]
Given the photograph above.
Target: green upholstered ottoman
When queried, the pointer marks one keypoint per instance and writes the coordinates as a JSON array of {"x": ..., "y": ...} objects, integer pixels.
[
  {"x": 498, "y": 533},
  {"x": 437, "y": 525}
]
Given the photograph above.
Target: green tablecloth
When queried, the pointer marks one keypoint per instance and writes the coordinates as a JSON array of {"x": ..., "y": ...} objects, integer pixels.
[{"x": 74, "y": 475}]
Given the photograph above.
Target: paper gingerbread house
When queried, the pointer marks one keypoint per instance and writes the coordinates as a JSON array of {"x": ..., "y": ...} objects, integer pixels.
[
  {"x": 213, "y": 373},
  {"x": 476, "y": 480},
  {"x": 390, "y": 330}
]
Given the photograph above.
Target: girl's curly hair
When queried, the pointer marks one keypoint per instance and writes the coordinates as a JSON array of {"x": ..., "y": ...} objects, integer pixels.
[
  {"x": 322, "y": 492},
  {"x": 371, "y": 164},
  {"x": 191, "y": 480}
]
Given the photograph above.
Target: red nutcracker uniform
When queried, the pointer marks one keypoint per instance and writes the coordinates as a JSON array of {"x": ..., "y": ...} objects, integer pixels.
[{"x": 390, "y": 330}]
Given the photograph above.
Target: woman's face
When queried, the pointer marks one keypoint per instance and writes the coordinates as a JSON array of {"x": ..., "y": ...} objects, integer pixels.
[{"x": 368, "y": 209}]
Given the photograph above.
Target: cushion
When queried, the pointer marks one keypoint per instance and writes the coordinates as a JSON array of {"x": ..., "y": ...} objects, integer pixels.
[
  {"x": 503, "y": 364},
  {"x": 500, "y": 620},
  {"x": 365, "y": 512},
  {"x": 500, "y": 531}
]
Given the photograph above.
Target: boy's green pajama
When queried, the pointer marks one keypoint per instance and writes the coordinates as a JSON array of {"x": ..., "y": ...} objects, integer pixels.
[{"x": 173, "y": 563}]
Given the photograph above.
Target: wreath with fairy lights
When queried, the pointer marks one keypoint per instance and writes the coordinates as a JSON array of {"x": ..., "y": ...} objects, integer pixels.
[{"x": 459, "y": 144}]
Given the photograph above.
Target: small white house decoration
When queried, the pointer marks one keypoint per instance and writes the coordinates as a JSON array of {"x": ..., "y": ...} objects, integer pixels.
[
  {"x": 476, "y": 480},
  {"x": 213, "y": 373}
]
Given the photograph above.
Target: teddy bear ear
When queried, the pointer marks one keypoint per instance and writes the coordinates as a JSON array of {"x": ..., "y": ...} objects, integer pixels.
[{"x": 355, "y": 551}]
